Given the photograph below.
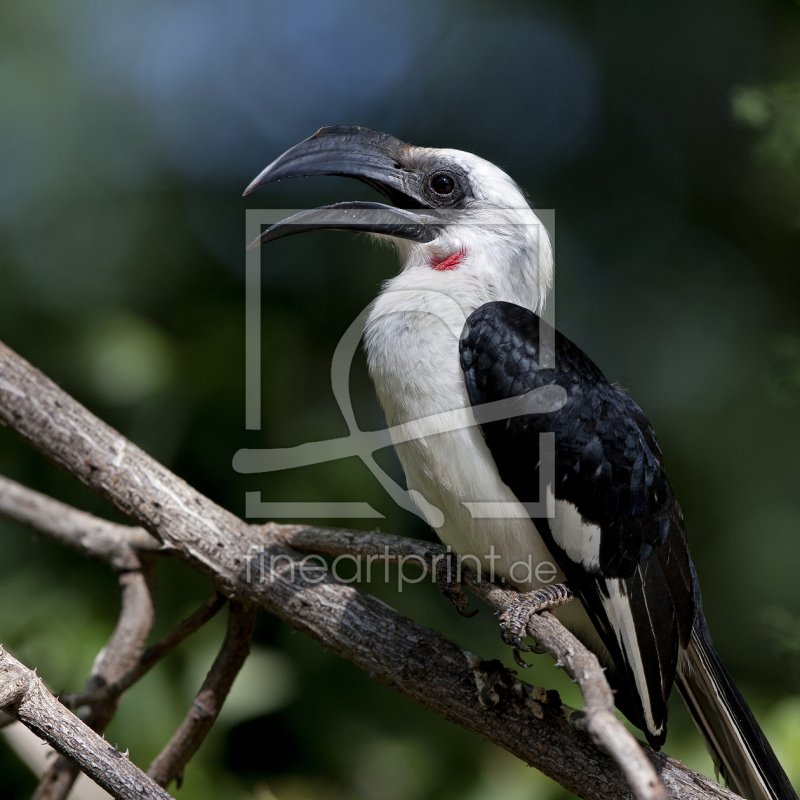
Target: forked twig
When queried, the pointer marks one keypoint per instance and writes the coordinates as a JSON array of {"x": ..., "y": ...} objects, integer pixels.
[
  {"x": 117, "y": 545},
  {"x": 6, "y": 720},
  {"x": 150, "y": 657}
]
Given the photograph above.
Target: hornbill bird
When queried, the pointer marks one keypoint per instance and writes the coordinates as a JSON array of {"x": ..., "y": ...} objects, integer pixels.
[{"x": 470, "y": 250}]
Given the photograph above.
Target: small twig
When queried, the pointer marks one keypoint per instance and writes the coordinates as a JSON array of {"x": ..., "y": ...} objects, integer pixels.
[
  {"x": 363, "y": 544},
  {"x": 115, "y": 545},
  {"x": 150, "y": 657},
  {"x": 24, "y": 696},
  {"x": 169, "y": 764},
  {"x": 122, "y": 651}
]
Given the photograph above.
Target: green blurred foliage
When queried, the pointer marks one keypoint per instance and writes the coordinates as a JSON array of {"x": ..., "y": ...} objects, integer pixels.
[
  {"x": 774, "y": 111},
  {"x": 666, "y": 138}
]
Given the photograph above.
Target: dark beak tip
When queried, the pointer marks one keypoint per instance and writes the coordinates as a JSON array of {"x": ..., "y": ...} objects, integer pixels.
[
  {"x": 253, "y": 185},
  {"x": 263, "y": 177}
]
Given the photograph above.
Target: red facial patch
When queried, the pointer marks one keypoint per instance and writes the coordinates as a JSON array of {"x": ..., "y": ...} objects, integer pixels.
[{"x": 449, "y": 262}]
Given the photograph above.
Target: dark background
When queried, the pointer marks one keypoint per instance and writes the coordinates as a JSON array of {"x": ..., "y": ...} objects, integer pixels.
[{"x": 666, "y": 136}]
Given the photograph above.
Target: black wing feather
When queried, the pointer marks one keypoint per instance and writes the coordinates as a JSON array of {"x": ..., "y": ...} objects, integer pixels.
[{"x": 609, "y": 466}]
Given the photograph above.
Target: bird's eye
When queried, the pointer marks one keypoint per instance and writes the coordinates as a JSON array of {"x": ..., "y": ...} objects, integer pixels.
[{"x": 442, "y": 183}]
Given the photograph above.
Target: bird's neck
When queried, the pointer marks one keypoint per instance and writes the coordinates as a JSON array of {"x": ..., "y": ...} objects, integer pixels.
[
  {"x": 411, "y": 339},
  {"x": 416, "y": 322}
]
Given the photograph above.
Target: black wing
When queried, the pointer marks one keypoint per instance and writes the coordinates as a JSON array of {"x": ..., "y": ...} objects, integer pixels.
[{"x": 631, "y": 569}]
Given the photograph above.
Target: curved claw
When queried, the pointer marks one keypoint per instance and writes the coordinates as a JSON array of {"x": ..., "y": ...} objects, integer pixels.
[
  {"x": 457, "y": 597},
  {"x": 518, "y": 658},
  {"x": 514, "y": 641}
]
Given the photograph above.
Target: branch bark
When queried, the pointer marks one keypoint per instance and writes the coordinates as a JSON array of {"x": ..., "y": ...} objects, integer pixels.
[
  {"x": 116, "y": 545},
  {"x": 419, "y": 663},
  {"x": 168, "y": 766},
  {"x": 581, "y": 664},
  {"x": 122, "y": 651},
  {"x": 24, "y": 696}
]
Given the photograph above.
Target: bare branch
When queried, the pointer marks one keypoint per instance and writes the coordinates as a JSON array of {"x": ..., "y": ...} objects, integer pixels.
[
  {"x": 150, "y": 657},
  {"x": 24, "y": 696},
  {"x": 581, "y": 664},
  {"x": 118, "y": 656},
  {"x": 115, "y": 545},
  {"x": 417, "y": 662},
  {"x": 169, "y": 764}
]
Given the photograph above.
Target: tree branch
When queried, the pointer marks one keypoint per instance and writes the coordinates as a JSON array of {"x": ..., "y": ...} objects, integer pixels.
[
  {"x": 24, "y": 696},
  {"x": 150, "y": 657},
  {"x": 169, "y": 764},
  {"x": 115, "y": 545},
  {"x": 419, "y": 663},
  {"x": 118, "y": 656},
  {"x": 581, "y": 664}
]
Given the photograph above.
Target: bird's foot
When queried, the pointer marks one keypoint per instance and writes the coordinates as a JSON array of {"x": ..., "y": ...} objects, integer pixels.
[
  {"x": 514, "y": 620},
  {"x": 448, "y": 581}
]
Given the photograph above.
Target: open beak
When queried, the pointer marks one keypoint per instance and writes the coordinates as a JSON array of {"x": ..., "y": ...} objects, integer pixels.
[{"x": 353, "y": 152}]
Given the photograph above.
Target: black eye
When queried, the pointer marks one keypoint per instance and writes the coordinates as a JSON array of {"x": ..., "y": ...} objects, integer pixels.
[{"x": 442, "y": 183}]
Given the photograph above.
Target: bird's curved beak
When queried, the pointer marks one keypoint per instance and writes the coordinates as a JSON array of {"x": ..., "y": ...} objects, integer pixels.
[{"x": 369, "y": 156}]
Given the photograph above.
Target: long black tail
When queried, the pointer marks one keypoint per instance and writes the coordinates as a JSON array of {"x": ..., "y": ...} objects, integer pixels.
[{"x": 738, "y": 746}]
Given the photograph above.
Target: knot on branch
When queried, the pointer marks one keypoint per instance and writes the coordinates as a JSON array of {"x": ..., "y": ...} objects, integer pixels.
[
  {"x": 15, "y": 683},
  {"x": 549, "y": 700}
]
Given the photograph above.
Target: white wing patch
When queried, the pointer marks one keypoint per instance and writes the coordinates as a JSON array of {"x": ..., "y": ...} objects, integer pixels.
[
  {"x": 618, "y": 609},
  {"x": 579, "y": 539}
]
